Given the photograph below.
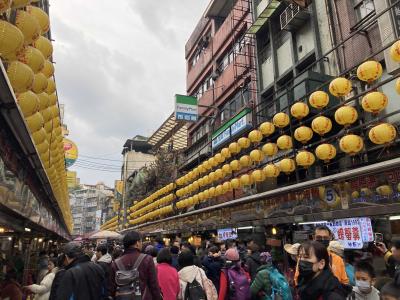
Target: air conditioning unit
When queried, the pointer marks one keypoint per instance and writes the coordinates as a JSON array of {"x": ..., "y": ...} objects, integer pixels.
[
  {"x": 388, "y": 34},
  {"x": 293, "y": 17}
]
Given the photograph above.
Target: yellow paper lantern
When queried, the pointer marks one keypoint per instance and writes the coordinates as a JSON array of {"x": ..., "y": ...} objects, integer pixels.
[
  {"x": 369, "y": 71},
  {"x": 20, "y": 76},
  {"x": 28, "y": 103},
  {"x": 284, "y": 142},
  {"x": 46, "y": 114},
  {"x": 48, "y": 69},
  {"x": 219, "y": 190},
  {"x": 305, "y": 159},
  {"x": 43, "y": 147},
  {"x": 235, "y": 165},
  {"x": 351, "y": 144},
  {"x": 235, "y": 183},
  {"x": 395, "y": 51},
  {"x": 206, "y": 165},
  {"x": 11, "y": 40},
  {"x": 219, "y": 158},
  {"x": 234, "y": 148},
  {"x": 51, "y": 86},
  {"x": 20, "y": 3},
  {"x": 258, "y": 176},
  {"x": 44, "y": 45},
  {"x": 346, "y": 115},
  {"x": 225, "y": 153},
  {"x": 303, "y": 134},
  {"x": 299, "y": 110},
  {"x": 44, "y": 101},
  {"x": 227, "y": 169},
  {"x": 271, "y": 171},
  {"x": 257, "y": 155},
  {"x": 211, "y": 191},
  {"x": 4, "y": 5},
  {"x": 270, "y": 149},
  {"x": 226, "y": 187},
  {"x": 397, "y": 85},
  {"x": 211, "y": 177},
  {"x": 40, "y": 16},
  {"x": 245, "y": 161},
  {"x": 318, "y": 99},
  {"x": 340, "y": 87},
  {"x": 287, "y": 165},
  {"x": 245, "y": 180},
  {"x": 382, "y": 134},
  {"x": 384, "y": 190},
  {"x": 28, "y": 25},
  {"x": 39, "y": 83},
  {"x": 374, "y": 102},
  {"x": 325, "y": 152},
  {"x": 244, "y": 142},
  {"x": 267, "y": 128},
  {"x": 321, "y": 125},
  {"x": 206, "y": 195},
  {"x": 207, "y": 180},
  {"x": 31, "y": 57},
  {"x": 219, "y": 174},
  {"x": 39, "y": 136},
  {"x": 35, "y": 122},
  {"x": 281, "y": 120},
  {"x": 255, "y": 136}
]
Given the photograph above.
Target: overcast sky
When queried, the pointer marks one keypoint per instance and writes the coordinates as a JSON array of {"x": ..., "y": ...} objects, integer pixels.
[{"x": 118, "y": 65}]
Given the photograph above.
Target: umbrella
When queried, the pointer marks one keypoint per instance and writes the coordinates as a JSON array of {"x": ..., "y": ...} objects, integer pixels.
[{"x": 105, "y": 234}]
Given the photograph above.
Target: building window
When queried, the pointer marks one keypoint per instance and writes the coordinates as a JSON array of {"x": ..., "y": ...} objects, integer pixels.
[{"x": 363, "y": 8}]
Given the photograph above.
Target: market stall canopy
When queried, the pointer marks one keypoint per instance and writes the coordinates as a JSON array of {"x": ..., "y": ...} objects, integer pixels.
[{"x": 105, "y": 234}]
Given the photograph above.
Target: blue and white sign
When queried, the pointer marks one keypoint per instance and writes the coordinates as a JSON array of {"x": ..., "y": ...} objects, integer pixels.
[
  {"x": 231, "y": 131},
  {"x": 186, "y": 108},
  {"x": 227, "y": 233}
]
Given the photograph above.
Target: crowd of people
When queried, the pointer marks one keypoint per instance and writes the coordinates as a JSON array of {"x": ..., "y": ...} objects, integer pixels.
[{"x": 319, "y": 269}]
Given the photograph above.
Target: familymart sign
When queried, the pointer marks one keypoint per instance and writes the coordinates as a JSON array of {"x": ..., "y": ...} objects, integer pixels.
[{"x": 186, "y": 108}]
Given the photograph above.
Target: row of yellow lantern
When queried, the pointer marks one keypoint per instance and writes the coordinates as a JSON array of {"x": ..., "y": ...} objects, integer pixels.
[
  {"x": 164, "y": 190},
  {"x": 160, "y": 202},
  {"x": 151, "y": 215},
  {"x": 112, "y": 220}
]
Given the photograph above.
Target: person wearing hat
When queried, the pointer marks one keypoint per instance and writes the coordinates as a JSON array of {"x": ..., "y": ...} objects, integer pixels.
[
  {"x": 292, "y": 251},
  {"x": 82, "y": 279},
  {"x": 233, "y": 274}
]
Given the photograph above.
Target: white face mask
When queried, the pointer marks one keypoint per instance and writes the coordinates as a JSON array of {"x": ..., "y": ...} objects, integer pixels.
[{"x": 363, "y": 286}]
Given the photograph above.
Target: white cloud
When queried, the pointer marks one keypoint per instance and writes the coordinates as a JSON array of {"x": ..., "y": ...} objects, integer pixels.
[{"x": 118, "y": 65}]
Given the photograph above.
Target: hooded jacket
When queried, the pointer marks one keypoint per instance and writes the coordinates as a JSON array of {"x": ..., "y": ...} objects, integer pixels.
[
  {"x": 82, "y": 280},
  {"x": 357, "y": 295},
  {"x": 252, "y": 264},
  {"x": 323, "y": 287},
  {"x": 213, "y": 266},
  {"x": 189, "y": 274},
  {"x": 42, "y": 290}
]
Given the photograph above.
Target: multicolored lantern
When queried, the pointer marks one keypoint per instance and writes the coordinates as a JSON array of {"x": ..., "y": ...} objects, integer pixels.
[{"x": 340, "y": 87}]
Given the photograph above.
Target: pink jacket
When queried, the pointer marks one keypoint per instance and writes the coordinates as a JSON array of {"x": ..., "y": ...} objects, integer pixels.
[{"x": 168, "y": 280}]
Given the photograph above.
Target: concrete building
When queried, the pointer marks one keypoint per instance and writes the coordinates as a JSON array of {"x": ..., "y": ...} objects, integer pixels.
[{"x": 88, "y": 204}]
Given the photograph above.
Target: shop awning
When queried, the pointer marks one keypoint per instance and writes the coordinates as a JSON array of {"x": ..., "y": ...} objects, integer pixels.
[
  {"x": 170, "y": 135},
  {"x": 264, "y": 16}
]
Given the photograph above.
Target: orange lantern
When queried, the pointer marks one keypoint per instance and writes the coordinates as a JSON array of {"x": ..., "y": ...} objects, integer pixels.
[
  {"x": 305, "y": 159},
  {"x": 325, "y": 152},
  {"x": 321, "y": 125},
  {"x": 271, "y": 171},
  {"x": 382, "y": 134},
  {"x": 303, "y": 134},
  {"x": 340, "y": 87},
  {"x": 374, "y": 102},
  {"x": 346, "y": 115},
  {"x": 270, "y": 149},
  {"x": 284, "y": 142},
  {"x": 319, "y": 99},
  {"x": 281, "y": 120},
  {"x": 351, "y": 144},
  {"x": 369, "y": 71},
  {"x": 267, "y": 128},
  {"x": 299, "y": 110}
]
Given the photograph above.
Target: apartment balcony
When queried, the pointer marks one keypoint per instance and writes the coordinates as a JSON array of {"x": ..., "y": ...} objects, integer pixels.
[
  {"x": 195, "y": 71},
  {"x": 232, "y": 24}
]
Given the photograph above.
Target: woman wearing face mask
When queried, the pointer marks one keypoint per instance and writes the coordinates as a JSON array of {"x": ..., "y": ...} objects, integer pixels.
[{"x": 316, "y": 281}]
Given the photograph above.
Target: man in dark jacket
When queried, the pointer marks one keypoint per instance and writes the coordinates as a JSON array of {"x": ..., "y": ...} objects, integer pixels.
[
  {"x": 147, "y": 272},
  {"x": 213, "y": 264},
  {"x": 83, "y": 279},
  {"x": 104, "y": 260},
  {"x": 253, "y": 259}
]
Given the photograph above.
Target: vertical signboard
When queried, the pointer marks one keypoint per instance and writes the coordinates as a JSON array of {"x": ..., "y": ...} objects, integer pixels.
[{"x": 186, "y": 108}]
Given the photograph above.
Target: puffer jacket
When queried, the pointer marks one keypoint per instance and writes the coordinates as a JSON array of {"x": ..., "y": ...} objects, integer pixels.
[{"x": 42, "y": 290}]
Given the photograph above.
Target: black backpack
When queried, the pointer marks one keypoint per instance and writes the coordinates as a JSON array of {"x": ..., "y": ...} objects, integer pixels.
[
  {"x": 194, "y": 291},
  {"x": 127, "y": 281}
]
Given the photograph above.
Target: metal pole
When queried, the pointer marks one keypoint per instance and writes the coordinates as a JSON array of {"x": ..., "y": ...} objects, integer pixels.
[{"x": 124, "y": 192}]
